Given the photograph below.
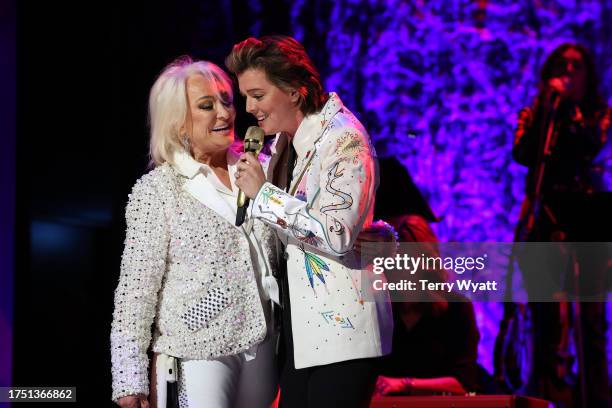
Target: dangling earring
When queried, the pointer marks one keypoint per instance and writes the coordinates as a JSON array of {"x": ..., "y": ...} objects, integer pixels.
[{"x": 185, "y": 143}]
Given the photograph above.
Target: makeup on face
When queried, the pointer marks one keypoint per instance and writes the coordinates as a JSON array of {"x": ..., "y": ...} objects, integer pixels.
[
  {"x": 211, "y": 115},
  {"x": 275, "y": 109}
]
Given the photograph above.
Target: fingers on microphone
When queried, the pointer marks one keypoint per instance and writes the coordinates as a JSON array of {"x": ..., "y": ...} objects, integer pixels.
[
  {"x": 242, "y": 166},
  {"x": 247, "y": 156}
]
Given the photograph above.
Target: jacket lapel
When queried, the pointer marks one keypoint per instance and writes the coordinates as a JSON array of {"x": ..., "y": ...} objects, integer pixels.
[
  {"x": 309, "y": 133},
  {"x": 200, "y": 188}
]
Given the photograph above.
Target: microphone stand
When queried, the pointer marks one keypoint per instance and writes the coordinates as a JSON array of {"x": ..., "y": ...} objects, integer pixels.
[
  {"x": 544, "y": 155},
  {"x": 515, "y": 314}
]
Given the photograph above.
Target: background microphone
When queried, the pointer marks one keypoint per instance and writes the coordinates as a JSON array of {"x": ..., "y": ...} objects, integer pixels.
[
  {"x": 558, "y": 88},
  {"x": 253, "y": 142},
  {"x": 555, "y": 100}
]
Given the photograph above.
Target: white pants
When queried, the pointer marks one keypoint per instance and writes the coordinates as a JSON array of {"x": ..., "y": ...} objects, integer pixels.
[{"x": 229, "y": 381}]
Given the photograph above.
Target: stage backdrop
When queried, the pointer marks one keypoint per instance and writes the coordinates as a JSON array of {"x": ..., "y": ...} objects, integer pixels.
[{"x": 439, "y": 83}]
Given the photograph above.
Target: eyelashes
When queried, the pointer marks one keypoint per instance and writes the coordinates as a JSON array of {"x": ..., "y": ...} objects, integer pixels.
[
  {"x": 228, "y": 105},
  {"x": 257, "y": 97}
]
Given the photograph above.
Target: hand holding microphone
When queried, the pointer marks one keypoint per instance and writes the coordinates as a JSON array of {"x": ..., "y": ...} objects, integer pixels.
[
  {"x": 249, "y": 176},
  {"x": 558, "y": 89}
]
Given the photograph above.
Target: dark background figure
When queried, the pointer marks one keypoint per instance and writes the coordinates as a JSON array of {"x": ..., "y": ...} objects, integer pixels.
[
  {"x": 435, "y": 340},
  {"x": 563, "y": 201}
]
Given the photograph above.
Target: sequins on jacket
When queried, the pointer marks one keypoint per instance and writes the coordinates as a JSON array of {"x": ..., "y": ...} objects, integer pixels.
[{"x": 187, "y": 270}]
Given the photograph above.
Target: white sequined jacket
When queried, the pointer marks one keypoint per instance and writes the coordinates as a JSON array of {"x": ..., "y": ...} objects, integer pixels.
[{"x": 187, "y": 269}]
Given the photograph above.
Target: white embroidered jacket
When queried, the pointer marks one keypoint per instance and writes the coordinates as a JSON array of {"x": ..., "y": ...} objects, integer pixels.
[
  {"x": 189, "y": 270},
  {"x": 331, "y": 199}
]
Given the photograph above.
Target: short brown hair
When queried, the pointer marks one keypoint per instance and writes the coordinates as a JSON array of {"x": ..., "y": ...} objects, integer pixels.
[{"x": 286, "y": 65}]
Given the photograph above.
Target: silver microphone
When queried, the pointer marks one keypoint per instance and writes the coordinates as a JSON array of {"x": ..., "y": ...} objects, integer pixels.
[{"x": 253, "y": 142}]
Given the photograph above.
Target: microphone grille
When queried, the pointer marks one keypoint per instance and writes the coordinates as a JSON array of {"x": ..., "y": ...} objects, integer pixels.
[{"x": 255, "y": 133}]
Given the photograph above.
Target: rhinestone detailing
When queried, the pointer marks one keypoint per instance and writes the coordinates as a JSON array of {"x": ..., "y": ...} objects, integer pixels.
[
  {"x": 187, "y": 271},
  {"x": 205, "y": 310}
]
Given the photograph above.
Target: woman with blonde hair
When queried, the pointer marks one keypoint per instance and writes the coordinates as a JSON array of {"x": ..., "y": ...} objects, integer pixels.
[{"x": 200, "y": 281}]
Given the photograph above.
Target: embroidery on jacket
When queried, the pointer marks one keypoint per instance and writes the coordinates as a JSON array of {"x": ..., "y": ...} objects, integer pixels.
[
  {"x": 350, "y": 147},
  {"x": 269, "y": 194},
  {"x": 309, "y": 238},
  {"x": 347, "y": 200},
  {"x": 355, "y": 285},
  {"x": 303, "y": 234},
  {"x": 337, "y": 228},
  {"x": 336, "y": 319},
  {"x": 300, "y": 193},
  {"x": 279, "y": 221},
  {"x": 315, "y": 266}
]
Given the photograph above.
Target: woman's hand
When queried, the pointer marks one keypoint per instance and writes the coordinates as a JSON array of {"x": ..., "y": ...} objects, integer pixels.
[
  {"x": 378, "y": 232},
  {"x": 560, "y": 85},
  {"x": 392, "y": 386},
  {"x": 557, "y": 89},
  {"x": 133, "y": 401},
  {"x": 250, "y": 175}
]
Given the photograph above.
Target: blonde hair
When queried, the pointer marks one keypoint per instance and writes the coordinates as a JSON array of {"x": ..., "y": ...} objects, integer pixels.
[{"x": 168, "y": 105}]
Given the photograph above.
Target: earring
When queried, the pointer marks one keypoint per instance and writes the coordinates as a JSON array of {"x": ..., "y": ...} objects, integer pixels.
[{"x": 185, "y": 142}]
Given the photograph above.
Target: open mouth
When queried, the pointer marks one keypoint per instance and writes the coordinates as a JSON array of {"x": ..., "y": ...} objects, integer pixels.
[{"x": 221, "y": 129}]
